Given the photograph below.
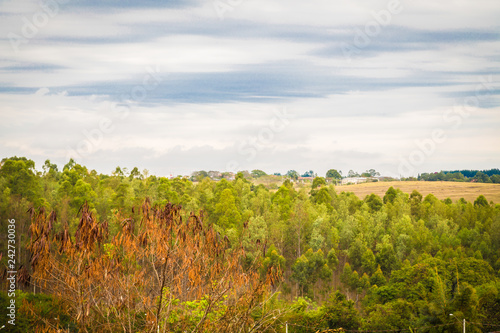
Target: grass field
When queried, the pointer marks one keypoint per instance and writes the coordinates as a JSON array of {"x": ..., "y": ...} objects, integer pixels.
[{"x": 442, "y": 190}]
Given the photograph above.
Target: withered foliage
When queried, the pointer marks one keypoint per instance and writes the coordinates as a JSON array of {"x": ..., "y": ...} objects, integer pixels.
[{"x": 157, "y": 274}]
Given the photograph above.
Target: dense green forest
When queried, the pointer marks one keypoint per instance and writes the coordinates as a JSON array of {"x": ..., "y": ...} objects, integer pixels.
[{"x": 326, "y": 260}]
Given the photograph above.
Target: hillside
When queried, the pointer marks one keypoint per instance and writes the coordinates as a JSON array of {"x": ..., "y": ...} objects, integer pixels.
[{"x": 442, "y": 190}]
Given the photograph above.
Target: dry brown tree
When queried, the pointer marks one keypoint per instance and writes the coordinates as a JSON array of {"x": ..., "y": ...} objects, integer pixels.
[{"x": 159, "y": 274}]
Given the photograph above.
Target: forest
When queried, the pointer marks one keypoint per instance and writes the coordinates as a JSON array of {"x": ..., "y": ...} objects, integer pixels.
[
  {"x": 133, "y": 252},
  {"x": 485, "y": 176}
]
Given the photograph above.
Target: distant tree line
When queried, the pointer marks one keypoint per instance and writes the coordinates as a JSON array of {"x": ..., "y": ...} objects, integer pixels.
[
  {"x": 484, "y": 176},
  {"x": 291, "y": 174}
]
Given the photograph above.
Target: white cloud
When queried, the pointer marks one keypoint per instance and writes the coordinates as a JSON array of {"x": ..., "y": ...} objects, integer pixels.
[
  {"x": 365, "y": 113},
  {"x": 448, "y": 14}
]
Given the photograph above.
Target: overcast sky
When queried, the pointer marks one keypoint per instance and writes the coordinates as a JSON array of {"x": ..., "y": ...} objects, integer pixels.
[{"x": 399, "y": 86}]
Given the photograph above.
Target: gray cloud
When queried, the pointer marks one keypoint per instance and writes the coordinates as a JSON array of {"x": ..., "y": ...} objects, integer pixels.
[{"x": 220, "y": 82}]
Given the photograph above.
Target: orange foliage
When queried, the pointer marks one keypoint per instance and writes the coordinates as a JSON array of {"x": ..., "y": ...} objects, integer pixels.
[{"x": 142, "y": 278}]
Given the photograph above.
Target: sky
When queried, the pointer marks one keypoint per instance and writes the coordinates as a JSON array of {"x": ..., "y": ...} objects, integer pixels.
[{"x": 399, "y": 86}]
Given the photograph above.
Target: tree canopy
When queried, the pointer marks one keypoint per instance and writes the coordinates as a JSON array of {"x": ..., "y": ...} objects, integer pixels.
[{"x": 192, "y": 254}]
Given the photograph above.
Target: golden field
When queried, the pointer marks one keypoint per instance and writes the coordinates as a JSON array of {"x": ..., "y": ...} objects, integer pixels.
[{"x": 442, "y": 190}]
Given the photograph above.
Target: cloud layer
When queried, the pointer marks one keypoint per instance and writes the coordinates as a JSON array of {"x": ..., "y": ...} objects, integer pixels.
[{"x": 193, "y": 85}]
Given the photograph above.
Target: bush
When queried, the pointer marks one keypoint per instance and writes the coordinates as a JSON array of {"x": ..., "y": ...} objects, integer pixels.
[{"x": 33, "y": 311}]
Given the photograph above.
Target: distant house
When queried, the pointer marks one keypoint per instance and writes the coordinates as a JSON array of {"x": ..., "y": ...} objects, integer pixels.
[
  {"x": 215, "y": 175},
  {"x": 360, "y": 180},
  {"x": 354, "y": 180}
]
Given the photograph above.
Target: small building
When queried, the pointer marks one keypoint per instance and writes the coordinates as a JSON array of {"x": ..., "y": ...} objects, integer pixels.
[
  {"x": 354, "y": 180},
  {"x": 305, "y": 179},
  {"x": 360, "y": 180}
]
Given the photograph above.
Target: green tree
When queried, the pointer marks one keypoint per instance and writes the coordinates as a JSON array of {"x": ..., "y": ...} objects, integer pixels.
[
  {"x": 397, "y": 315},
  {"x": 258, "y": 173},
  {"x": 309, "y": 173},
  {"x": 489, "y": 301},
  {"x": 415, "y": 203},
  {"x": 122, "y": 196},
  {"x": 332, "y": 173},
  {"x": 364, "y": 282},
  {"x": 390, "y": 195},
  {"x": 273, "y": 260},
  {"x": 386, "y": 256},
  {"x": 135, "y": 174},
  {"x": 310, "y": 267},
  {"x": 20, "y": 177},
  {"x": 368, "y": 262},
  {"x": 256, "y": 235},
  {"x": 374, "y": 202},
  {"x": 332, "y": 259},
  {"x": 481, "y": 177},
  {"x": 356, "y": 251},
  {"x": 318, "y": 181},
  {"x": 481, "y": 201},
  {"x": 283, "y": 200},
  {"x": 293, "y": 174},
  {"x": 68, "y": 166},
  {"x": 82, "y": 192},
  {"x": 226, "y": 211},
  {"x": 378, "y": 278},
  {"x": 317, "y": 239},
  {"x": 240, "y": 175},
  {"x": 349, "y": 277},
  {"x": 495, "y": 179},
  {"x": 50, "y": 169},
  {"x": 339, "y": 312},
  {"x": 323, "y": 197},
  {"x": 352, "y": 174},
  {"x": 118, "y": 172}
]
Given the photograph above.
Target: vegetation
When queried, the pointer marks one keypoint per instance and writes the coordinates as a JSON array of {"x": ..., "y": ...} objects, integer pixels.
[
  {"x": 332, "y": 173},
  {"x": 485, "y": 176},
  {"x": 135, "y": 252}
]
